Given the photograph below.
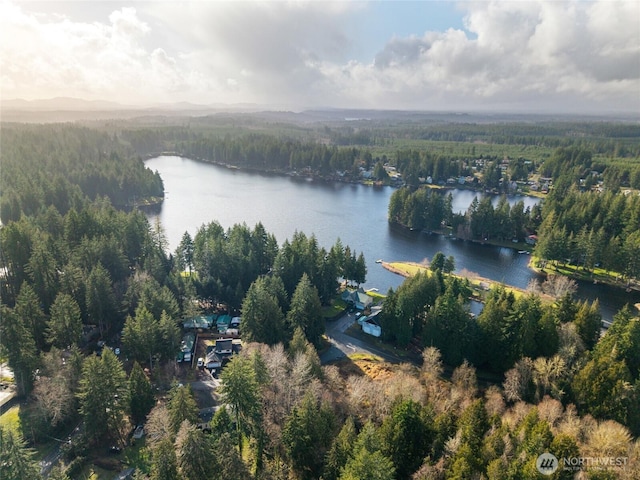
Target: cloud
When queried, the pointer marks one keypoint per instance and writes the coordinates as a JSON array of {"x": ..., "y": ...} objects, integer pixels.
[
  {"x": 513, "y": 55},
  {"x": 518, "y": 52},
  {"x": 51, "y": 55}
]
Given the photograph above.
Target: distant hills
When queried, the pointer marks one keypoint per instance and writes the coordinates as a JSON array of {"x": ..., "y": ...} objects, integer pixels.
[{"x": 73, "y": 109}]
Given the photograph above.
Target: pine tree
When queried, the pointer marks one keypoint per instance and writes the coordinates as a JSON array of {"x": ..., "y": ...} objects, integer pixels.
[
  {"x": 164, "y": 464},
  {"x": 16, "y": 460},
  {"x": 20, "y": 348},
  {"x": 103, "y": 395},
  {"x": 141, "y": 398},
  {"x": 182, "y": 407},
  {"x": 305, "y": 311},
  {"x": 65, "y": 324},
  {"x": 240, "y": 391}
]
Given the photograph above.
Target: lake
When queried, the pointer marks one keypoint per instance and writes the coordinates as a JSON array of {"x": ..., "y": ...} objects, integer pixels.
[{"x": 197, "y": 193}]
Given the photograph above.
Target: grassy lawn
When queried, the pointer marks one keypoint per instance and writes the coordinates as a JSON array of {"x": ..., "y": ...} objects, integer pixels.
[
  {"x": 369, "y": 357},
  {"x": 478, "y": 284},
  {"x": 104, "y": 466},
  {"x": 574, "y": 271},
  {"x": 11, "y": 419},
  {"x": 337, "y": 306}
]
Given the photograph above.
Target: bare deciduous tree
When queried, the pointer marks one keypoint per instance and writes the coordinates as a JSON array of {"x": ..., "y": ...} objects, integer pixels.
[
  {"x": 158, "y": 426},
  {"x": 551, "y": 410},
  {"x": 465, "y": 382},
  {"x": 609, "y": 439},
  {"x": 517, "y": 380},
  {"x": 494, "y": 401},
  {"x": 432, "y": 367},
  {"x": 54, "y": 399},
  {"x": 559, "y": 285}
]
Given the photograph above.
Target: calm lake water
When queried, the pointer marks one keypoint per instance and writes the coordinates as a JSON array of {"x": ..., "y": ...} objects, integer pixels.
[{"x": 197, "y": 193}]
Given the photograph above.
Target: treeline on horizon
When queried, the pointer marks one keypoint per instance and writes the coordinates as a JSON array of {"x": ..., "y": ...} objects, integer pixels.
[{"x": 325, "y": 150}]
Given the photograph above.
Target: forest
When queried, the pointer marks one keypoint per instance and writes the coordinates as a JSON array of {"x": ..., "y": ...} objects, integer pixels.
[
  {"x": 581, "y": 222},
  {"x": 485, "y": 398}
]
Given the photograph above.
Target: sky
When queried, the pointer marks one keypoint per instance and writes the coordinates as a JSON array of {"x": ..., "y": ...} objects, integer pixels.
[{"x": 527, "y": 56}]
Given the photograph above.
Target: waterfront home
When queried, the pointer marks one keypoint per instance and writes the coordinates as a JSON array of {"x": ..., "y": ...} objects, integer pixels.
[{"x": 357, "y": 298}]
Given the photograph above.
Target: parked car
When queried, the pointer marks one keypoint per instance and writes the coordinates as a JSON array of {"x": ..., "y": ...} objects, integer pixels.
[{"x": 138, "y": 433}]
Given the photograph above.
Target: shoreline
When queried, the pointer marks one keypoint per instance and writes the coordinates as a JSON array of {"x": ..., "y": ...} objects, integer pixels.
[
  {"x": 337, "y": 179},
  {"x": 572, "y": 272},
  {"x": 479, "y": 284}
]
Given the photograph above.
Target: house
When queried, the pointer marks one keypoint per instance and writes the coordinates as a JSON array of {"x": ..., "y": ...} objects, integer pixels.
[
  {"x": 213, "y": 361},
  {"x": 219, "y": 353},
  {"x": 357, "y": 298},
  {"x": 370, "y": 324},
  {"x": 186, "y": 347},
  {"x": 224, "y": 347},
  {"x": 531, "y": 239}
]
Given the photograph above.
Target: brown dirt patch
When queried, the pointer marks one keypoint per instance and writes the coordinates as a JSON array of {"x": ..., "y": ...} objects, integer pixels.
[{"x": 375, "y": 370}]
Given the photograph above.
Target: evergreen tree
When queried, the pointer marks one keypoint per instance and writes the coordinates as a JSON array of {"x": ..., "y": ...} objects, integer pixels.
[
  {"x": 140, "y": 336},
  {"x": 182, "y": 407},
  {"x": 164, "y": 463},
  {"x": 406, "y": 436},
  {"x": 104, "y": 396},
  {"x": 262, "y": 317},
  {"x": 367, "y": 461},
  {"x": 588, "y": 322},
  {"x": 65, "y": 324},
  {"x": 17, "y": 342},
  {"x": 195, "y": 456},
  {"x": 169, "y": 337},
  {"x": 221, "y": 422},
  {"x": 306, "y": 434},
  {"x": 240, "y": 390},
  {"x": 341, "y": 450},
  {"x": 305, "y": 311},
  {"x": 100, "y": 300},
  {"x": 16, "y": 460},
  {"x": 184, "y": 253},
  {"x": 28, "y": 309},
  {"x": 141, "y": 396}
]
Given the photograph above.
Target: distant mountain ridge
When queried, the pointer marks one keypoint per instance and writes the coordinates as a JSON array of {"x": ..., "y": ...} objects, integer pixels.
[
  {"x": 73, "y": 109},
  {"x": 60, "y": 103},
  {"x": 81, "y": 105}
]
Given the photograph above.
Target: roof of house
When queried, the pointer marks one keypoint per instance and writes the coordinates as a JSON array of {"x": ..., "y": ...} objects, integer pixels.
[
  {"x": 356, "y": 296},
  {"x": 224, "y": 344},
  {"x": 198, "y": 322},
  {"x": 187, "y": 342}
]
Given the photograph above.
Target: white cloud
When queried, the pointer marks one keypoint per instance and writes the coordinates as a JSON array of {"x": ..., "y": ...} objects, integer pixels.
[{"x": 562, "y": 55}]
